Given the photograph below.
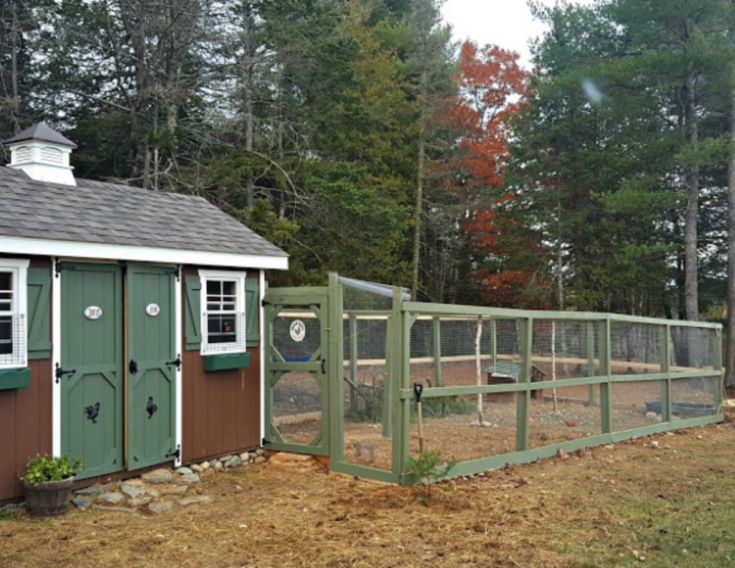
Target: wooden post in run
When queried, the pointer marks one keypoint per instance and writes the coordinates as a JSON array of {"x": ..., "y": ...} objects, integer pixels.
[
  {"x": 553, "y": 364},
  {"x": 478, "y": 370}
]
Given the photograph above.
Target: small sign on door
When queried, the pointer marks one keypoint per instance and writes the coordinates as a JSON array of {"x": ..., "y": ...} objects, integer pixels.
[
  {"x": 153, "y": 310},
  {"x": 297, "y": 330},
  {"x": 93, "y": 312}
]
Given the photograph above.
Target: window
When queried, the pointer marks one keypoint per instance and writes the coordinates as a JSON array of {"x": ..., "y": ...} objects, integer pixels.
[
  {"x": 13, "y": 352},
  {"x": 223, "y": 312}
]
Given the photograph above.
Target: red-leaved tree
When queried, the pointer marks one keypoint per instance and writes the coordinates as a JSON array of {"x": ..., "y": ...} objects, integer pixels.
[{"x": 492, "y": 88}]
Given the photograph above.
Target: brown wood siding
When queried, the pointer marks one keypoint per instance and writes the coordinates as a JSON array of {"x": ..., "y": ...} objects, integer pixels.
[
  {"x": 221, "y": 410},
  {"x": 25, "y": 421}
]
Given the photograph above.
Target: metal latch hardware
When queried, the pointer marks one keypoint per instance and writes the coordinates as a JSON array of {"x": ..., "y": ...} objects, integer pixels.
[
  {"x": 151, "y": 407},
  {"x": 176, "y": 362},
  {"x": 176, "y": 453},
  {"x": 59, "y": 372}
]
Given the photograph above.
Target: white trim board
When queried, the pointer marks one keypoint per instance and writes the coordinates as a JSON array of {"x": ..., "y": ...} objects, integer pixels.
[
  {"x": 55, "y": 360},
  {"x": 78, "y": 249},
  {"x": 261, "y": 347},
  {"x": 179, "y": 438}
]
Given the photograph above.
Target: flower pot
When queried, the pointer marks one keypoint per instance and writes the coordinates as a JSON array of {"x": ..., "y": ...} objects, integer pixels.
[{"x": 48, "y": 499}]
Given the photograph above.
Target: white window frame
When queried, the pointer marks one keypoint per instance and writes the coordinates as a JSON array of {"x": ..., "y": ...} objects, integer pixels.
[
  {"x": 19, "y": 309},
  {"x": 240, "y": 345}
]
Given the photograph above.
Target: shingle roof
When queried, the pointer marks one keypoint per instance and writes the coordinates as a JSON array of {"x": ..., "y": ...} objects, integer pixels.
[
  {"x": 41, "y": 131},
  {"x": 108, "y": 213}
]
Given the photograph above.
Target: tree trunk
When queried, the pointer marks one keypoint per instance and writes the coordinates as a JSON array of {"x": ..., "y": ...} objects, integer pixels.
[
  {"x": 249, "y": 177},
  {"x": 559, "y": 261},
  {"x": 417, "y": 218},
  {"x": 691, "y": 290},
  {"x": 730, "y": 329},
  {"x": 15, "y": 106}
]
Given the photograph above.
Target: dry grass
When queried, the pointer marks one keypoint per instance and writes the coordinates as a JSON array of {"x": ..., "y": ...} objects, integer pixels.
[{"x": 605, "y": 507}]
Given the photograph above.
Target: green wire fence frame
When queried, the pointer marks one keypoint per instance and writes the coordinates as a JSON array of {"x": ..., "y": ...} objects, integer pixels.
[{"x": 399, "y": 397}]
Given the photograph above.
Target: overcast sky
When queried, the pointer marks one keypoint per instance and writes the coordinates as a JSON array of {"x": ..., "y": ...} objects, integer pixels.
[{"x": 506, "y": 23}]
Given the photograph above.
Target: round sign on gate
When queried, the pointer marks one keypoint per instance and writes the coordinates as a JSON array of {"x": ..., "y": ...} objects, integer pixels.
[
  {"x": 153, "y": 310},
  {"x": 297, "y": 330},
  {"x": 93, "y": 312}
]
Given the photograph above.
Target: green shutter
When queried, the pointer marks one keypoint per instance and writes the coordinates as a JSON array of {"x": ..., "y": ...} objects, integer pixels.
[
  {"x": 252, "y": 305},
  {"x": 39, "y": 313},
  {"x": 192, "y": 313}
]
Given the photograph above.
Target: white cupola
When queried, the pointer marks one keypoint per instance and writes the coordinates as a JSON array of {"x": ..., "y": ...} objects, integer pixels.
[{"x": 43, "y": 154}]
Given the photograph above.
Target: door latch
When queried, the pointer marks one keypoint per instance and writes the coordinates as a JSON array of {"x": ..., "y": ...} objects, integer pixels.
[
  {"x": 59, "y": 372},
  {"x": 133, "y": 366},
  {"x": 151, "y": 407},
  {"x": 176, "y": 362}
]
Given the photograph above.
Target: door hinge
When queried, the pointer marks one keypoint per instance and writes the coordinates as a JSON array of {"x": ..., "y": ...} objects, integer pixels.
[
  {"x": 176, "y": 453},
  {"x": 59, "y": 266},
  {"x": 264, "y": 442},
  {"x": 265, "y": 303}
]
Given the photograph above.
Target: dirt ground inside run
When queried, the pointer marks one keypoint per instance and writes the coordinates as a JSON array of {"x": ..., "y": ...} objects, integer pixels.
[{"x": 664, "y": 500}]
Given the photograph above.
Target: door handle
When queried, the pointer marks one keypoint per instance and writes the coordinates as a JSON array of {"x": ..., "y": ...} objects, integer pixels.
[
  {"x": 324, "y": 366},
  {"x": 133, "y": 367},
  {"x": 176, "y": 362}
]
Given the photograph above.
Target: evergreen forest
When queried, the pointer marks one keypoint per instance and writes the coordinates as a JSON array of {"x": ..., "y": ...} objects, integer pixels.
[{"x": 360, "y": 138}]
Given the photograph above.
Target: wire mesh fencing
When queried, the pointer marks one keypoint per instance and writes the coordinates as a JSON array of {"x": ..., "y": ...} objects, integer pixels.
[
  {"x": 366, "y": 404},
  {"x": 508, "y": 386},
  {"x": 493, "y": 386}
]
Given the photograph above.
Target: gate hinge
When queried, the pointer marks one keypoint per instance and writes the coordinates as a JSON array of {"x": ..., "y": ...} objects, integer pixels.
[
  {"x": 176, "y": 453},
  {"x": 264, "y": 442},
  {"x": 265, "y": 303}
]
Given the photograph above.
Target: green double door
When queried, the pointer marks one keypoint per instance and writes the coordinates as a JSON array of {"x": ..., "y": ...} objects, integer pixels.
[{"x": 118, "y": 366}]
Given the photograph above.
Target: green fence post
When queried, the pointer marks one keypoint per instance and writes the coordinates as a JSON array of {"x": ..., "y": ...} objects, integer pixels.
[
  {"x": 437, "y": 353},
  {"x": 525, "y": 334},
  {"x": 591, "y": 361},
  {"x": 353, "y": 365},
  {"x": 665, "y": 337},
  {"x": 335, "y": 370},
  {"x": 394, "y": 366},
  {"x": 605, "y": 371},
  {"x": 719, "y": 395}
]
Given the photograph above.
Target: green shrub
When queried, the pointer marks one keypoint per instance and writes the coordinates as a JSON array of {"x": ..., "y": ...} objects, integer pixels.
[{"x": 44, "y": 468}]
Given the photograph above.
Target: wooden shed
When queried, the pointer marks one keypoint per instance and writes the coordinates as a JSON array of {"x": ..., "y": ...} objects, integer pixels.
[{"x": 130, "y": 320}]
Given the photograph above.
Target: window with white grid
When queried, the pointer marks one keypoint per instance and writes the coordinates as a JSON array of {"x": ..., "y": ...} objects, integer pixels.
[
  {"x": 13, "y": 351},
  {"x": 223, "y": 312}
]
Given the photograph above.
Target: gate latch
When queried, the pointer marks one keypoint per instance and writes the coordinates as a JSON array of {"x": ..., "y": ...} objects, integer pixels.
[
  {"x": 176, "y": 362},
  {"x": 59, "y": 372},
  {"x": 151, "y": 407}
]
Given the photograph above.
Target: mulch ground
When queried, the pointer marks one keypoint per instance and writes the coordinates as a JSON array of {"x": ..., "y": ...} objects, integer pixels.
[{"x": 542, "y": 514}]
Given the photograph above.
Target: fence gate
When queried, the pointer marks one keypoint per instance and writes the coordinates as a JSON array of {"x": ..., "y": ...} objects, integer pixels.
[{"x": 297, "y": 413}]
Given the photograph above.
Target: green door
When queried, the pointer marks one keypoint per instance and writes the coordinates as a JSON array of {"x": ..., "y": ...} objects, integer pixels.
[
  {"x": 296, "y": 407},
  {"x": 91, "y": 361},
  {"x": 151, "y": 365}
]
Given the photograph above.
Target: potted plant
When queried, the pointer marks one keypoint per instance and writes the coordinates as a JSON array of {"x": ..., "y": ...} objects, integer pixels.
[{"x": 47, "y": 482}]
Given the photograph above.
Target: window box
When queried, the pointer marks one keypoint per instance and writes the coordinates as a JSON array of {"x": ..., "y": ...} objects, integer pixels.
[
  {"x": 226, "y": 361},
  {"x": 14, "y": 378}
]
